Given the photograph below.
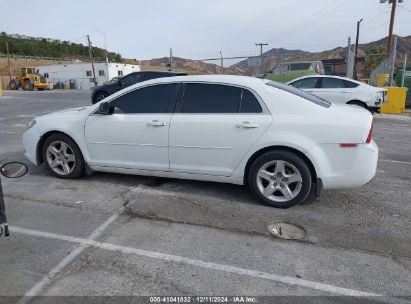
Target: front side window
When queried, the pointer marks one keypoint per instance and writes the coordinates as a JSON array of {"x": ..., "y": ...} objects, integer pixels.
[
  {"x": 210, "y": 98},
  {"x": 332, "y": 83},
  {"x": 306, "y": 83},
  {"x": 152, "y": 99}
]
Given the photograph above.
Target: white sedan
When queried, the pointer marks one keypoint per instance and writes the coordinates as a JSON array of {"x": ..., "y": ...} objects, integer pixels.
[
  {"x": 342, "y": 90},
  {"x": 279, "y": 140}
]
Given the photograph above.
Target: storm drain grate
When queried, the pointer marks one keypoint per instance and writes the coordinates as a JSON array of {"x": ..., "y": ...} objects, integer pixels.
[{"x": 287, "y": 231}]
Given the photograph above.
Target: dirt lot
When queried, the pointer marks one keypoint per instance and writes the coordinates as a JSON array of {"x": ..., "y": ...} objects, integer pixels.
[{"x": 111, "y": 234}]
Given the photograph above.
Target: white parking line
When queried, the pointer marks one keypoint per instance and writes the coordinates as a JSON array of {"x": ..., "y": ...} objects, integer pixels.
[
  {"x": 84, "y": 243},
  {"x": 177, "y": 259},
  {"x": 7, "y": 132},
  {"x": 395, "y": 161},
  {"x": 397, "y": 130}
]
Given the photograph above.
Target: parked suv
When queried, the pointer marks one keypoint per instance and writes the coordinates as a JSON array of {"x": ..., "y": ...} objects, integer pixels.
[
  {"x": 107, "y": 89},
  {"x": 288, "y": 71}
]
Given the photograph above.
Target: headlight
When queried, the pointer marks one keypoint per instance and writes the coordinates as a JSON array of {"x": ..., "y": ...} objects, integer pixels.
[{"x": 30, "y": 124}]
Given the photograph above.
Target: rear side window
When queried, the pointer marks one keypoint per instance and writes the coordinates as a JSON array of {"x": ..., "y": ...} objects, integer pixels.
[
  {"x": 249, "y": 103},
  {"x": 152, "y": 99},
  {"x": 350, "y": 84},
  {"x": 210, "y": 98},
  {"x": 332, "y": 83},
  {"x": 306, "y": 83},
  {"x": 300, "y": 93}
]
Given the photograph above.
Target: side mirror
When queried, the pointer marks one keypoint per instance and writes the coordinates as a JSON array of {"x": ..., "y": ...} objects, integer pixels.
[
  {"x": 122, "y": 84},
  {"x": 13, "y": 170},
  {"x": 104, "y": 108}
]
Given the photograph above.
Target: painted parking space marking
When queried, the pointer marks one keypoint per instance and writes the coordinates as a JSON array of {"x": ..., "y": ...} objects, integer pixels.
[
  {"x": 84, "y": 244},
  {"x": 395, "y": 161},
  {"x": 173, "y": 258}
]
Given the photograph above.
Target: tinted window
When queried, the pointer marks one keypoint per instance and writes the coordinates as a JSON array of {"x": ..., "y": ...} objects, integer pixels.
[
  {"x": 249, "y": 103},
  {"x": 300, "y": 66},
  {"x": 306, "y": 83},
  {"x": 300, "y": 93},
  {"x": 210, "y": 98},
  {"x": 332, "y": 83},
  {"x": 350, "y": 84},
  {"x": 130, "y": 79},
  {"x": 152, "y": 99}
]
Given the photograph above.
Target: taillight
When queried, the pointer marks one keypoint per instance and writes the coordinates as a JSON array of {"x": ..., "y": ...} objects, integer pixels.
[{"x": 370, "y": 134}]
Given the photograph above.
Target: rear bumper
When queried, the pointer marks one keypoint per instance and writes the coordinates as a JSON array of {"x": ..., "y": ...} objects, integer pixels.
[{"x": 349, "y": 167}]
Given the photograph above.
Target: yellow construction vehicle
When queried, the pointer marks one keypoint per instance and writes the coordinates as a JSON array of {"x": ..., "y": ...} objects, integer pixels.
[{"x": 29, "y": 79}]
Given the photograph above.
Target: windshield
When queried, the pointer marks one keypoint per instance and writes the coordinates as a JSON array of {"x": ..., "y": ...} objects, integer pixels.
[
  {"x": 31, "y": 71},
  {"x": 300, "y": 93}
]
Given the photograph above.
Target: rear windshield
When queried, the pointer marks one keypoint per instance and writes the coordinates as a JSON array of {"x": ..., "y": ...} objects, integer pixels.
[{"x": 300, "y": 93}]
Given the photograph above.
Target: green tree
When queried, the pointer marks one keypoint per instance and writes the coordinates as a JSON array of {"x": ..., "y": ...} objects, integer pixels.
[{"x": 373, "y": 57}]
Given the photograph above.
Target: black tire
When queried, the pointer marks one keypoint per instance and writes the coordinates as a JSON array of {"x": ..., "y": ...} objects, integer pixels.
[
  {"x": 78, "y": 168},
  {"x": 358, "y": 103},
  {"x": 13, "y": 85},
  {"x": 99, "y": 96},
  {"x": 27, "y": 85},
  {"x": 290, "y": 158},
  {"x": 40, "y": 89}
]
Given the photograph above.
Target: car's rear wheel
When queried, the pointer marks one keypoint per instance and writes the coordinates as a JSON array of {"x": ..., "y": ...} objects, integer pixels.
[
  {"x": 99, "y": 96},
  {"x": 280, "y": 178},
  {"x": 62, "y": 156}
]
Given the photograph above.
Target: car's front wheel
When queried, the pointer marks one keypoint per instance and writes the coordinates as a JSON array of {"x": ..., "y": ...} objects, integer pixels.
[
  {"x": 280, "y": 178},
  {"x": 62, "y": 156}
]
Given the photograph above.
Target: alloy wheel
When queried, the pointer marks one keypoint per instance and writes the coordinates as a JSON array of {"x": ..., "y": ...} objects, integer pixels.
[
  {"x": 279, "y": 181},
  {"x": 60, "y": 157}
]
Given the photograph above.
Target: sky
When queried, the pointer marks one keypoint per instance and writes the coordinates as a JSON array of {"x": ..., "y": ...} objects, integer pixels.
[{"x": 199, "y": 29}]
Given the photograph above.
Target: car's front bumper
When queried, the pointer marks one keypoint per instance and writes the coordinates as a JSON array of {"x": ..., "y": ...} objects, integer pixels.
[{"x": 31, "y": 138}]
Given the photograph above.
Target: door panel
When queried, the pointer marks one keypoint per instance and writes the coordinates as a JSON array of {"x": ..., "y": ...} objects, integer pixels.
[
  {"x": 213, "y": 144},
  {"x": 138, "y": 141},
  {"x": 136, "y": 134}
]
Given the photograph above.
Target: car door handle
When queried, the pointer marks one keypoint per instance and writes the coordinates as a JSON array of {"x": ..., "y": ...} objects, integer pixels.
[
  {"x": 155, "y": 123},
  {"x": 247, "y": 125}
]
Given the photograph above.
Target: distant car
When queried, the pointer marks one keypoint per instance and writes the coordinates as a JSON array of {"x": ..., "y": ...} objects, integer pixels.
[
  {"x": 281, "y": 141},
  {"x": 116, "y": 85},
  {"x": 342, "y": 90},
  {"x": 287, "y": 71}
]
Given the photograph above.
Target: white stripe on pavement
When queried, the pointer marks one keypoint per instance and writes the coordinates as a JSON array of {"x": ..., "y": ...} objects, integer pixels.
[
  {"x": 395, "y": 161},
  {"x": 84, "y": 243},
  {"x": 178, "y": 259}
]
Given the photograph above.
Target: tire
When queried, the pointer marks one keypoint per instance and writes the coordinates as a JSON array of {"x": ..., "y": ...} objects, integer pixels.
[
  {"x": 286, "y": 171},
  {"x": 99, "y": 96},
  {"x": 40, "y": 89},
  {"x": 63, "y": 157},
  {"x": 358, "y": 104},
  {"x": 27, "y": 85},
  {"x": 13, "y": 85}
]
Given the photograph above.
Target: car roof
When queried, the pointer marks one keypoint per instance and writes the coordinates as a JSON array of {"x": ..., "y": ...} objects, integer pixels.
[
  {"x": 228, "y": 79},
  {"x": 328, "y": 76}
]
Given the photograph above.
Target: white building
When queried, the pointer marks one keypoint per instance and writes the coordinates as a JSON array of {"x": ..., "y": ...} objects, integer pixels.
[{"x": 80, "y": 75}]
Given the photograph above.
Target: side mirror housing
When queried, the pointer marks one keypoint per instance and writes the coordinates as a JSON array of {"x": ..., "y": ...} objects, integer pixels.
[
  {"x": 104, "y": 108},
  {"x": 13, "y": 170},
  {"x": 121, "y": 84}
]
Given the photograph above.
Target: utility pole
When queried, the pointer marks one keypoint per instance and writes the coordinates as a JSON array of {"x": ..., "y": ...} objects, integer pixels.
[
  {"x": 392, "y": 18},
  {"x": 404, "y": 70},
  {"x": 91, "y": 59},
  {"x": 222, "y": 63},
  {"x": 171, "y": 59},
  {"x": 8, "y": 59},
  {"x": 261, "y": 54},
  {"x": 358, "y": 36}
]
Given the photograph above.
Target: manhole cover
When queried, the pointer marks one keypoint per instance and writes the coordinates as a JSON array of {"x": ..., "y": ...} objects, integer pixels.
[{"x": 287, "y": 231}]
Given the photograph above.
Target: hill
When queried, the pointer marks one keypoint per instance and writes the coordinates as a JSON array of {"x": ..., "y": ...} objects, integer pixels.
[
  {"x": 274, "y": 55},
  {"x": 46, "y": 47}
]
